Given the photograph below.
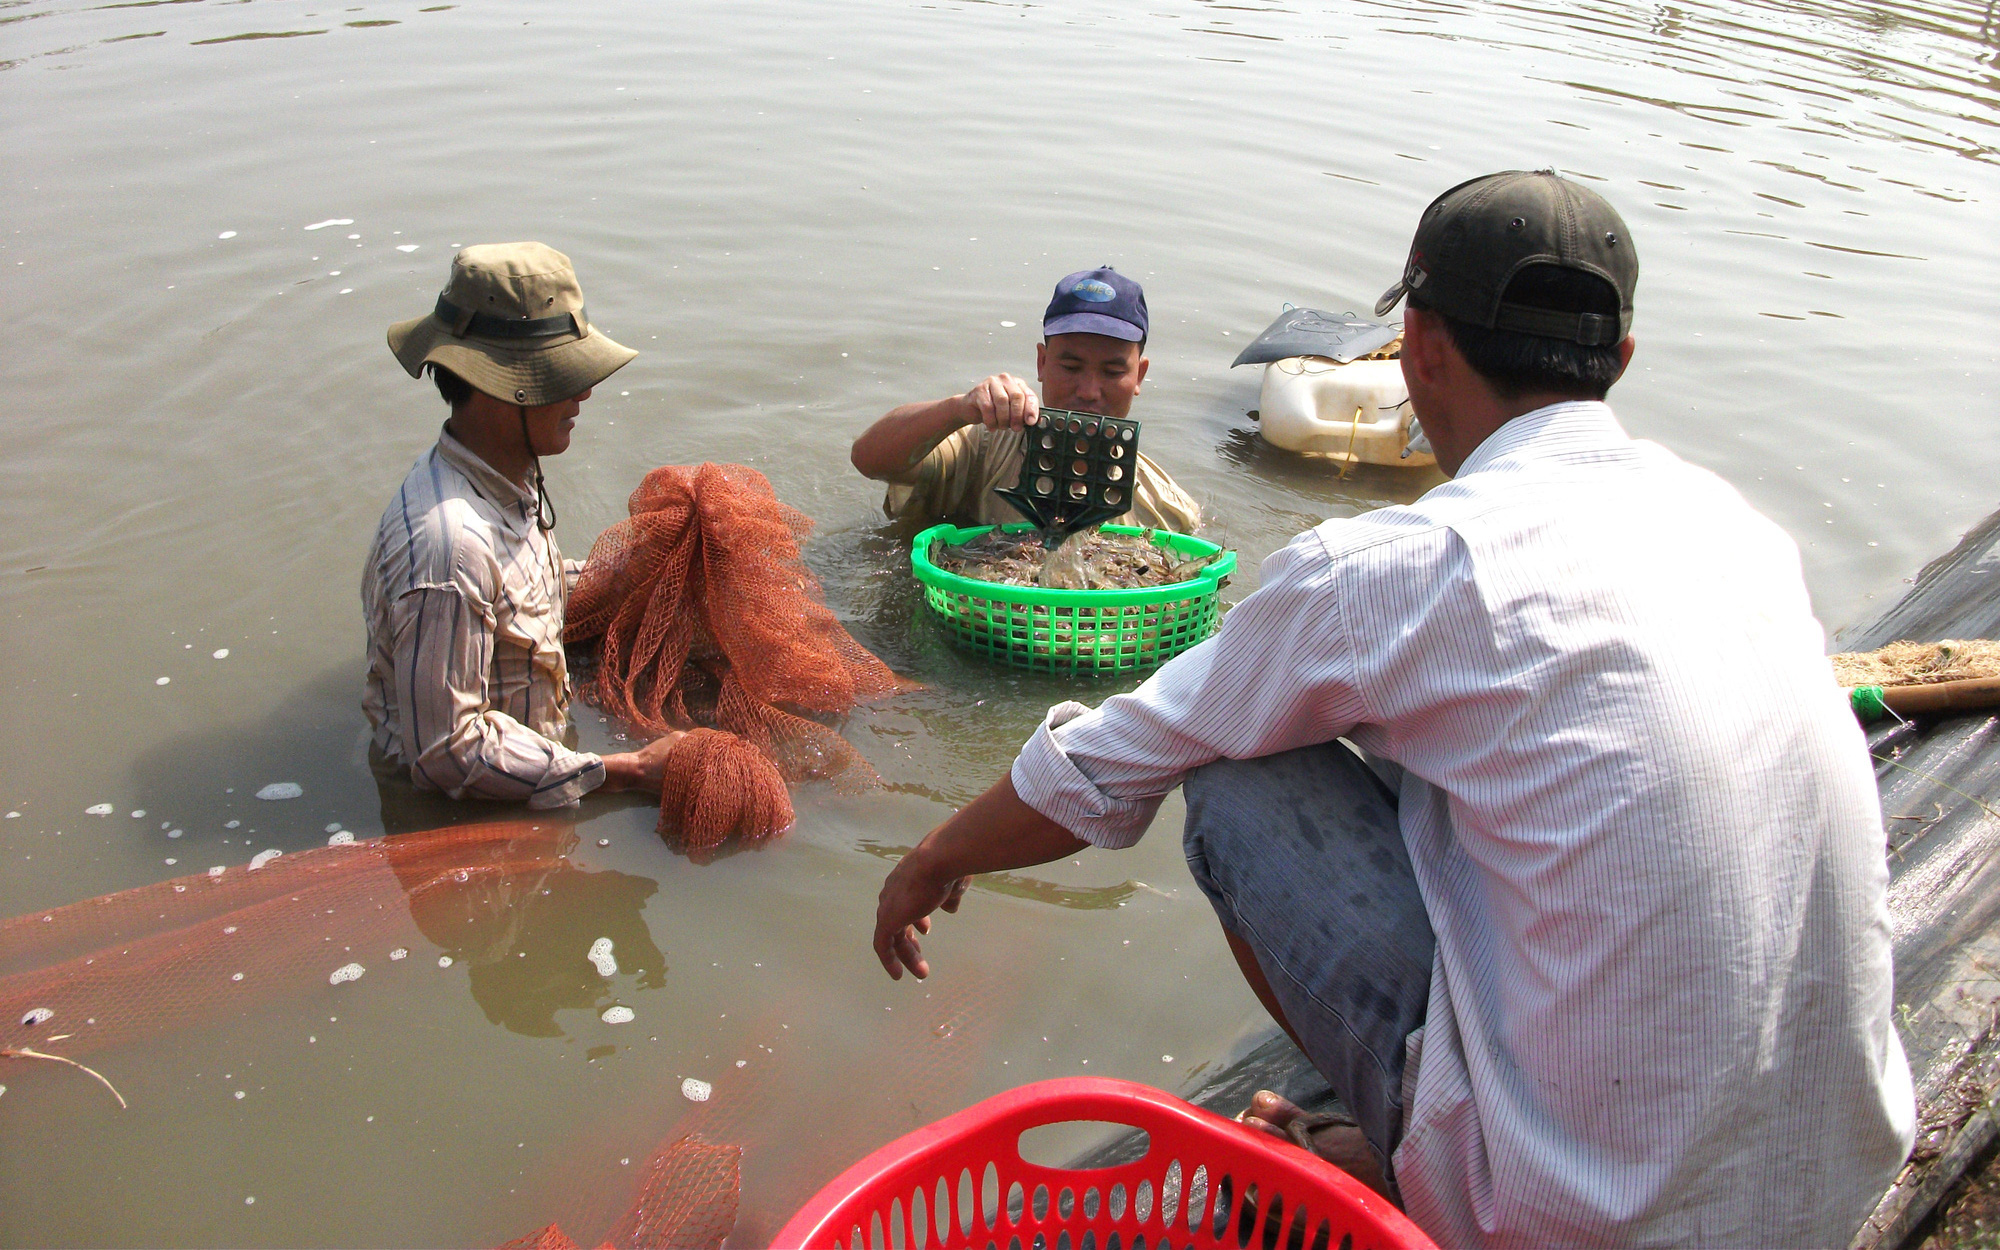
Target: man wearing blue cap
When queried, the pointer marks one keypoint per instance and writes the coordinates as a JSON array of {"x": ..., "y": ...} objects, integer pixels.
[{"x": 944, "y": 459}]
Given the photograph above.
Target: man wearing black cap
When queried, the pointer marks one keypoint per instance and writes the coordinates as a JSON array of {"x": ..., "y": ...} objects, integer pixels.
[
  {"x": 944, "y": 459},
  {"x": 1588, "y": 928}
]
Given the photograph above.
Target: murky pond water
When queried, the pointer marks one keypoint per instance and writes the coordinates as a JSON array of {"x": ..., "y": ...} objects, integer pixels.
[{"x": 804, "y": 213}]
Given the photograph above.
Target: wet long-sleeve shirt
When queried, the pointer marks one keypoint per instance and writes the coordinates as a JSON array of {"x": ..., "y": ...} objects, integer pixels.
[
  {"x": 1641, "y": 817},
  {"x": 463, "y": 593}
]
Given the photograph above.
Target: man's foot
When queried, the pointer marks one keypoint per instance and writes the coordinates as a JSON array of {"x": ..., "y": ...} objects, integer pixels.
[{"x": 1336, "y": 1139}]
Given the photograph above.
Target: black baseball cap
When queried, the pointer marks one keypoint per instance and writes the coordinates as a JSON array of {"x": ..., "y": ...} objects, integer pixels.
[
  {"x": 1097, "y": 301},
  {"x": 1474, "y": 238}
]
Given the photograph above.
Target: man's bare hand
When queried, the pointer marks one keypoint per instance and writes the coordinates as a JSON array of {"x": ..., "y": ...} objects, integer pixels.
[
  {"x": 1002, "y": 402},
  {"x": 640, "y": 769},
  {"x": 903, "y": 912}
]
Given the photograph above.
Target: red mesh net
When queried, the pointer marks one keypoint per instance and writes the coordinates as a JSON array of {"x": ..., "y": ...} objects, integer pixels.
[
  {"x": 687, "y": 1198},
  {"x": 203, "y": 949},
  {"x": 213, "y": 951},
  {"x": 705, "y": 616}
]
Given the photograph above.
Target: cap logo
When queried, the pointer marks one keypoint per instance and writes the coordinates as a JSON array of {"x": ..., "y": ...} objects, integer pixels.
[{"x": 1094, "y": 290}]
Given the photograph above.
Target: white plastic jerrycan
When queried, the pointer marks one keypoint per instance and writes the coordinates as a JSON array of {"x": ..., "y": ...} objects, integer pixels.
[{"x": 1358, "y": 413}]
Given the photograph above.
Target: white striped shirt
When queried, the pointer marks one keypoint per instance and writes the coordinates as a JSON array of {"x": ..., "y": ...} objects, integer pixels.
[
  {"x": 463, "y": 593},
  {"x": 1641, "y": 818}
]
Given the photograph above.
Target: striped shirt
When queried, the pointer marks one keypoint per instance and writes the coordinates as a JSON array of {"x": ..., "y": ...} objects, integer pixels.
[
  {"x": 463, "y": 593},
  {"x": 956, "y": 481},
  {"x": 1641, "y": 818}
]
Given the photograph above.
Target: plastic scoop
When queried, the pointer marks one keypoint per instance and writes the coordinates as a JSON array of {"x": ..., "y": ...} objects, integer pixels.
[{"x": 1078, "y": 472}]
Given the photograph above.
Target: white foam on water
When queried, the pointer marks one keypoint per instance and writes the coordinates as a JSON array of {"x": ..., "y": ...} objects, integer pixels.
[
  {"x": 343, "y": 838},
  {"x": 1166, "y": 1058},
  {"x": 408, "y": 247},
  {"x": 399, "y": 953},
  {"x": 239, "y": 1093},
  {"x": 334, "y": 827},
  {"x": 278, "y": 790},
  {"x": 347, "y": 290},
  {"x": 601, "y": 958},
  {"x": 696, "y": 1091},
  {"x": 39, "y": 1015},
  {"x": 353, "y": 236},
  {"x": 331, "y": 221},
  {"x": 221, "y": 653},
  {"x": 140, "y": 814},
  {"x": 262, "y": 858},
  {"x": 226, "y": 234},
  {"x": 444, "y": 961},
  {"x": 175, "y": 833},
  {"x": 231, "y": 824},
  {"x": 13, "y": 815},
  {"x": 172, "y": 862},
  {"x": 1008, "y": 324},
  {"x": 161, "y": 681},
  {"x": 345, "y": 973},
  {"x": 236, "y": 976},
  {"x": 742, "y": 1063},
  {"x": 250, "y": 1201},
  {"x": 98, "y": 809},
  {"x": 617, "y": 1015}
]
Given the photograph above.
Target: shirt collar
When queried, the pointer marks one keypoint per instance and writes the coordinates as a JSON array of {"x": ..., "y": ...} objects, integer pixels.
[
  {"x": 494, "y": 486},
  {"x": 1568, "y": 428}
]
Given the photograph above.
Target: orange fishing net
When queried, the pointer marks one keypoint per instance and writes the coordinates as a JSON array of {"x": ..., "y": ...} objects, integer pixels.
[
  {"x": 706, "y": 617},
  {"x": 217, "y": 950},
  {"x": 688, "y": 1192}
]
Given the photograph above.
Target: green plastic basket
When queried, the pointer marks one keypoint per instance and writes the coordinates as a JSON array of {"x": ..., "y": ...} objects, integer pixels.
[{"x": 1096, "y": 632}]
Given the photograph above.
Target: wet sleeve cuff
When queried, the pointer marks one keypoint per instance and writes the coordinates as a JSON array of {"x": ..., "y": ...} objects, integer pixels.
[
  {"x": 1049, "y": 781},
  {"x": 585, "y": 773}
]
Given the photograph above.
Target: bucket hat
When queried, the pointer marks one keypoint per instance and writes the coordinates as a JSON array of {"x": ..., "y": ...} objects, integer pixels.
[
  {"x": 511, "y": 322},
  {"x": 1474, "y": 238}
]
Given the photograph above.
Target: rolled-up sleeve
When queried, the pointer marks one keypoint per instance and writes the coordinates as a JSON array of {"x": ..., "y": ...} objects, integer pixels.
[
  {"x": 1279, "y": 674},
  {"x": 453, "y": 740}
]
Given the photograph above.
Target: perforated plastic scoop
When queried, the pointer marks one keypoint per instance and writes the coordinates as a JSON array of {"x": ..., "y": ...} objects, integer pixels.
[{"x": 1078, "y": 472}]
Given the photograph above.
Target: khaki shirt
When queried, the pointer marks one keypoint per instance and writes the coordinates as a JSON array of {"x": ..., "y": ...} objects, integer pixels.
[{"x": 955, "y": 482}]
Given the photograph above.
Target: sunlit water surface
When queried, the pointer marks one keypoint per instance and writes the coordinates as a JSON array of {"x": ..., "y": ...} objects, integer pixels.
[{"x": 803, "y": 214}]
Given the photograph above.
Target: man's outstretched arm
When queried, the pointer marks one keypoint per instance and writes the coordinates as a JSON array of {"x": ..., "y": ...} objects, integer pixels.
[
  {"x": 994, "y": 832},
  {"x": 891, "y": 449}
]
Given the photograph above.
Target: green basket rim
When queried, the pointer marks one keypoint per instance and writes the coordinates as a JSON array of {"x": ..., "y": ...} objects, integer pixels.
[{"x": 1207, "y": 582}]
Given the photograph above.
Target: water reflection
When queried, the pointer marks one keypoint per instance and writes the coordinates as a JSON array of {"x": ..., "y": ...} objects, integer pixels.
[{"x": 524, "y": 919}]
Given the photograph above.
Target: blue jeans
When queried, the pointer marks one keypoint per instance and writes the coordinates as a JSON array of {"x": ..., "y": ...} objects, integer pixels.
[{"x": 1302, "y": 857}]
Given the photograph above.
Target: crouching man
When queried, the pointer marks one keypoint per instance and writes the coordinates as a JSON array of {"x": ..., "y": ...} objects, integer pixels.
[
  {"x": 1593, "y": 941},
  {"x": 463, "y": 591}
]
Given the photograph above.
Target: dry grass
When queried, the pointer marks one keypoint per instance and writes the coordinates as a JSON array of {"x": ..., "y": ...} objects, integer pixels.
[{"x": 1919, "y": 663}]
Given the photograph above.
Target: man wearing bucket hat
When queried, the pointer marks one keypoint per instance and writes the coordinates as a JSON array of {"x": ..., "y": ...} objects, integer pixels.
[
  {"x": 944, "y": 458},
  {"x": 463, "y": 591},
  {"x": 1585, "y": 920}
]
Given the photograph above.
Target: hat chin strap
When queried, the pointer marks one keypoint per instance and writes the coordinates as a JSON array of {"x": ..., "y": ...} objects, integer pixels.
[{"x": 545, "y": 507}]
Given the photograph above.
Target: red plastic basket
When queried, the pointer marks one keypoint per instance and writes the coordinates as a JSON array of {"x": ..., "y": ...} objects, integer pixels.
[{"x": 1204, "y": 1182}]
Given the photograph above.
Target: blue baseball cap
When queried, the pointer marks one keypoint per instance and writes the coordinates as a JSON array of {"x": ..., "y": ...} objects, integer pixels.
[{"x": 1097, "y": 301}]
